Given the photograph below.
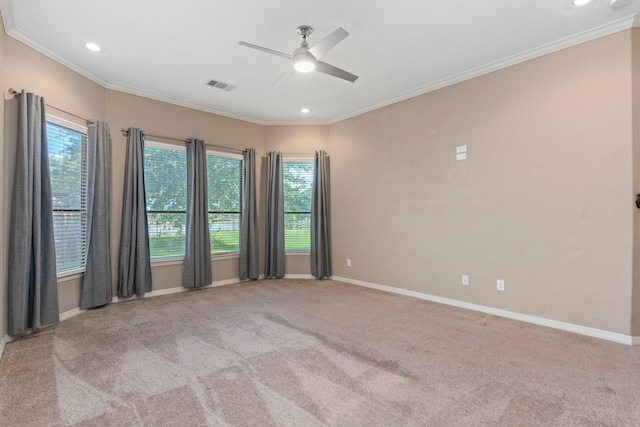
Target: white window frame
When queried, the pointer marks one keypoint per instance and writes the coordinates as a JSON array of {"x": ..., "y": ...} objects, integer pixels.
[
  {"x": 229, "y": 255},
  {"x": 79, "y": 272},
  {"x": 289, "y": 252},
  {"x": 166, "y": 260}
]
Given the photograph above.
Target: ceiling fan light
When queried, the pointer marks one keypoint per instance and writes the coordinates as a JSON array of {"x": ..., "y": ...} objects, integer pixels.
[{"x": 304, "y": 65}]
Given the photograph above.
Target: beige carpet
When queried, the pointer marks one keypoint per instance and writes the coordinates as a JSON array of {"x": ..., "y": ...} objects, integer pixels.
[{"x": 311, "y": 353}]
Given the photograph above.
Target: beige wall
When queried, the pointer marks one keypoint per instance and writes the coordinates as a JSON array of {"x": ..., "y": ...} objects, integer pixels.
[
  {"x": 635, "y": 309},
  {"x": 25, "y": 68},
  {"x": 3, "y": 274},
  {"x": 124, "y": 111},
  {"x": 295, "y": 141},
  {"x": 543, "y": 201}
]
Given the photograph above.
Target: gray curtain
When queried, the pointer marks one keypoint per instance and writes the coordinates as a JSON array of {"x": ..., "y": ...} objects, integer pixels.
[
  {"x": 96, "y": 283},
  {"x": 134, "y": 264},
  {"x": 320, "y": 218},
  {"x": 249, "y": 222},
  {"x": 197, "y": 259},
  {"x": 33, "y": 287},
  {"x": 274, "y": 218}
]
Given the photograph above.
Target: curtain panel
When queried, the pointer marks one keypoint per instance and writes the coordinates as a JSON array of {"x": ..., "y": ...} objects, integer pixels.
[
  {"x": 320, "y": 218},
  {"x": 32, "y": 279},
  {"x": 274, "y": 217},
  {"x": 134, "y": 263},
  {"x": 249, "y": 222},
  {"x": 96, "y": 283},
  {"x": 196, "y": 271}
]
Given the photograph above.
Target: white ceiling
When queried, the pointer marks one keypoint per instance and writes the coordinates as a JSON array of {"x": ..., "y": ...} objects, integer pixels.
[{"x": 168, "y": 50}]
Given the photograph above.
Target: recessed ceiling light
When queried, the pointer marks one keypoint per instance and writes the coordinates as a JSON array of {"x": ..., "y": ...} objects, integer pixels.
[
  {"x": 580, "y": 3},
  {"x": 93, "y": 47},
  {"x": 305, "y": 110}
]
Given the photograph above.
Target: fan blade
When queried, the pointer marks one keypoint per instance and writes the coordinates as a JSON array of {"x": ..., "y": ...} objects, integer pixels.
[
  {"x": 285, "y": 76},
  {"x": 264, "y": 49},
  {"x": 325, "y": 68},
  {"x": 321, "y": 48}
]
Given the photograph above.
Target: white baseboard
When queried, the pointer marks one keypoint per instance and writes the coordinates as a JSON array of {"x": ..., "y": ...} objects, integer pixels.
[
  {"x": 569, "y": 327},
  {"x": 298, "y": 276},
  {"x": 175, "y": 290},
  {"x": 71, "y": 313},
  {"x": 74, "y": 312}
]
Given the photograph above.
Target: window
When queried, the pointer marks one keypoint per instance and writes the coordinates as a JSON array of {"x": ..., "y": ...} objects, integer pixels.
[
  {"x": 224, "y": 176},
  {"x": 297, "y": 181},
  {"x": 165, "y": 175},
  {"x": 68, "y": 169}
]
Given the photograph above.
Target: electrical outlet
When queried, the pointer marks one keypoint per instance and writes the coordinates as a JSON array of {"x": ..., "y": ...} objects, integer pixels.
[
  {"x": 348, "y": 262},
  {"x": 465, "y": 280},
  {"x": 500, "y": 285}
]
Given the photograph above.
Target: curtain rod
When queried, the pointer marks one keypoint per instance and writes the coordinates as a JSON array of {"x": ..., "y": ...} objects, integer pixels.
[
  {"x": 15, "y": 93},
  {"x": 237, "y": 150}
]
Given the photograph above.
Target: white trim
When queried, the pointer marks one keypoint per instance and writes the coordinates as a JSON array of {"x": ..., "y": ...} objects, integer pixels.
[
  {"x": 150, "y": 143},
  {"x": 2, "y": 340},
  {"x": 175, "y": 101},
  {"x": 224, "y": 256},
  {"x": 71, "y": 313},
  {"x": 67, "y": 124},
  {"x": 175, "y": 290},
  {"x": 563, "y": 326},
  {"x": 302, "y": 252},
  {"x": 67, "y": 277},
  {"x": 161, "y": 262},
  {"x": 298, "y": 276},
  {"x": 74, "y": 312},
  {"x": 224, "y": 155},
  {"x": 12, "y": 31},
  {"x": 631, "y": 21},
  {"x": 293, "y": 159}
]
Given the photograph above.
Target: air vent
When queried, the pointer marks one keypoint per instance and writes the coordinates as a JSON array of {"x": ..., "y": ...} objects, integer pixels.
[{"x": 220, "y": 85}]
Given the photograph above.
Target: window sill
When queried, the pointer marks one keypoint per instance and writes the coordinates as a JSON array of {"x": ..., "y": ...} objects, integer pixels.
[
  {"x": 161, "y": 262},
  {"x": 72, "y": 275},
  {"x": 230, "y": 255},
  {"x": 296, "y": 253}
]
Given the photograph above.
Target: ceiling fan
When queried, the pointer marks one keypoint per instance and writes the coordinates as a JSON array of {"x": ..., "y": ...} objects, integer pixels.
[{"x": 306, "y": 59}]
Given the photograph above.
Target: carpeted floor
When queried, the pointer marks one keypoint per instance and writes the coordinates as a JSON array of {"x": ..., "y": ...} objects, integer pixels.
[{"x": 311, "y": 353}]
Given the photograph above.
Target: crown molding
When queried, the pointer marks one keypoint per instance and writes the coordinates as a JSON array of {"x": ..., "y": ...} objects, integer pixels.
[
  {"x": 629, "y": 22},
  {"x": 179, "y": 102},
  {"x": 22, "y": 37}
]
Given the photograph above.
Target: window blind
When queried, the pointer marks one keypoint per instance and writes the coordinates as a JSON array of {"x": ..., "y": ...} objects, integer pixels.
[
  {"x": 68, "y": 168},
  {"x": 297, "y": 182},
  {"x": 224, "y": 185},
  {"x": 165, "y": 180}
]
